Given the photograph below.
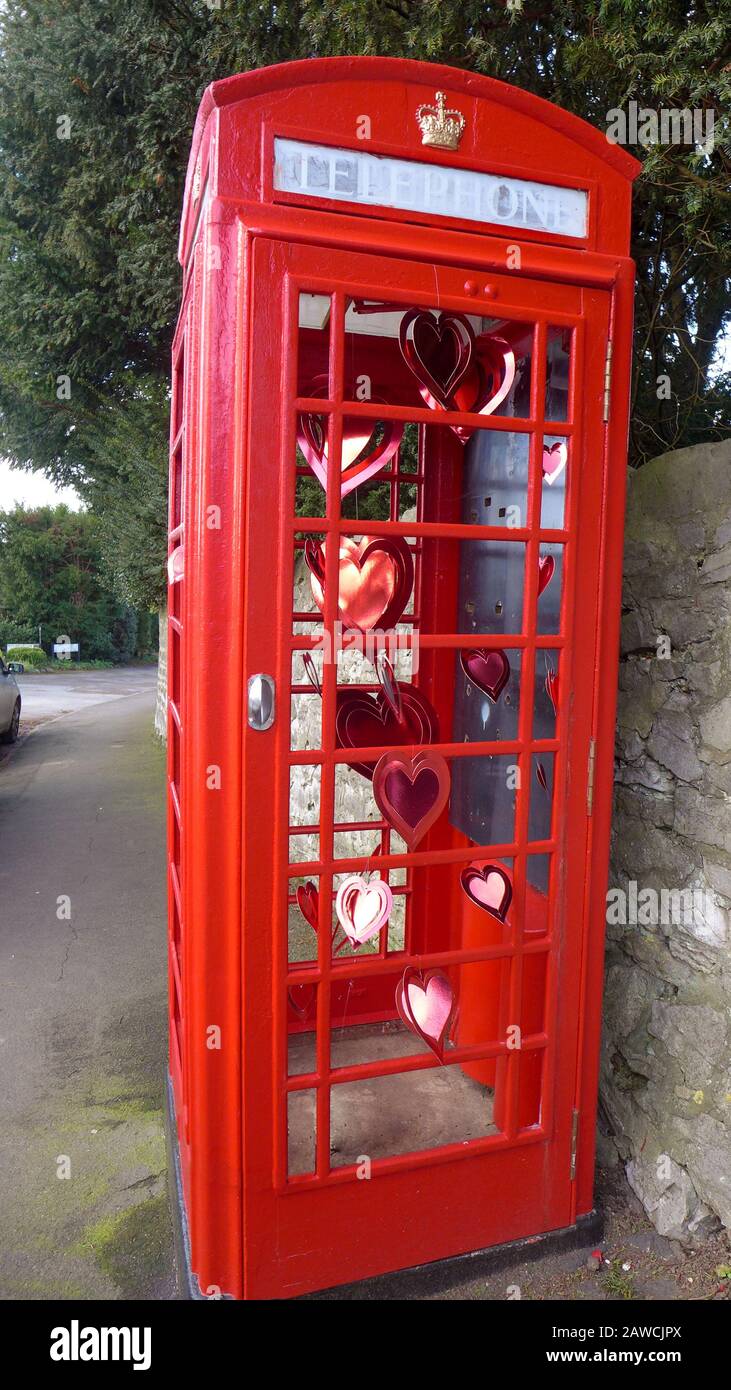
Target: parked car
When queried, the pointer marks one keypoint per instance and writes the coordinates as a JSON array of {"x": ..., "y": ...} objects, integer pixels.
[{"x": 9, "y": 702}]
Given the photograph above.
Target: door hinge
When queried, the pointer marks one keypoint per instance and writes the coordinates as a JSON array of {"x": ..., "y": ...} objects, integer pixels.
[
  {"x": 607, "y": 379},
  {"x": 590, "y": 777},
  {"x": 574, "y": 1143}
]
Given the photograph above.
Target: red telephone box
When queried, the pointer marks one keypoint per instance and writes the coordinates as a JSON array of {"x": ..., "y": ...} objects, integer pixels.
[{"x": 399, "y": 418}]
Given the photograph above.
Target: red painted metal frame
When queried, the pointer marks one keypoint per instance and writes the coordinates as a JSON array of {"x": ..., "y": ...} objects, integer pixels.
[{"x": 252, "y": 1234}]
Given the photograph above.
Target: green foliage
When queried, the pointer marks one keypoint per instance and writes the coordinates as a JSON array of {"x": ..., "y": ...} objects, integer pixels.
[
  {"x": 30, "y": 656},
  {"x": 49, "y": 574},
  {"x": 89, "y": 285}
]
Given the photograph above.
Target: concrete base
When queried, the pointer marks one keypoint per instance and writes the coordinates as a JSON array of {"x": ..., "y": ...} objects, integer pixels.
[{"x": 422, "y": 1281}]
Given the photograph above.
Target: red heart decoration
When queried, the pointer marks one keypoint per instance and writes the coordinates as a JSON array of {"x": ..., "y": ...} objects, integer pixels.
[
  {"x": 489, "y": 887},
  {"x": 363, "y": 720},
  {"x": 546, "y": 569},
  {"x": 437, "y": 350},
  {"x": 442, "y": 355},
  {"x": 301, "y": 998},
  {"x": 488, "y": 670},
  {"x": 356, "y": 435},
  {"x": 376, "y": 576},
  {"x": 552, "y": 689},
  {"x": 426, "y": 1004},
  {"x": 308, "y": 902},
  {"x": 554, "y": 462},
  {"x": 363, "y": 907},
  {"x": 541, "y": 775},
  {"x": 411, "y": 793}
]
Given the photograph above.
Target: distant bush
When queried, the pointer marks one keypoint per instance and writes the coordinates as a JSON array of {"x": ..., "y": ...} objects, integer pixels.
[{"x": 30, "y": 656}]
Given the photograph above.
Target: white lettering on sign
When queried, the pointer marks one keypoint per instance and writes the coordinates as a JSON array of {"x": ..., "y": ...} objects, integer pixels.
[{"x": 354, "y": 176}]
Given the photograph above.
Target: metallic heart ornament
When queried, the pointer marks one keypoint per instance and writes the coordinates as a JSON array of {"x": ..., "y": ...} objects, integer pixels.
[
  {"x": 452, "y": 374},
  {"x": 546, "y": 570},
  {"x": 411, "y": 793},
  {"x": 376, "y": 576},
  {"x": 438, "y": 351},
  {"x": 552, "y": 688},
  {"x": 426, "y": 1004},
  {"x": 357, "y": 434},
  {"x": 301, "y": 999},
  {"x": 308, "y": 902},
  {"x": 488, "y": 670},
  {"x": 362, "y": 907},
  {"x": 554, "y": 462},
  {"x": 489, "y": 887},
  {"x": 397, "y": 714}
]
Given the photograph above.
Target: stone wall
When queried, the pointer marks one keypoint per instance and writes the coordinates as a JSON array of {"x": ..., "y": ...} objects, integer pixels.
[{"x": 666, "y": 1068}]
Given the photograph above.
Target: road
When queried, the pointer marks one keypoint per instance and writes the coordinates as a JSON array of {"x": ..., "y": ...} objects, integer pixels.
[
  {"x": 46, "y": 696},
  {"x": 83, "y": 1211}
]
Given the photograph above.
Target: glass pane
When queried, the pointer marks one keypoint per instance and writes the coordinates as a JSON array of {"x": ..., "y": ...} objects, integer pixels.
[
  {"x": 554, "y": 478},
  {"x": 550, "y": 586},
  {"x": 495, "y": 487},
  {"x": 314, "y": 345},
  {"x": 301, "y": 1122},
  {"x": 541, "y": 796},
  {"x": 482, "y": 803},
  {"x": 558, "y": 366}
]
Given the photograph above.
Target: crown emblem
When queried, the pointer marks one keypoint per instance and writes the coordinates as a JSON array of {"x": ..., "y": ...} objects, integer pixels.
[{"x": 439, "y": 126}]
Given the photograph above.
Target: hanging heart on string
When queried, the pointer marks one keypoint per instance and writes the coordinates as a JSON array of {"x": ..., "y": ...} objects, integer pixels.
[
  {"x": 488, "y": 670},
  {"x": 554, "y": 462},
  {"x": 301, "y": 998},
  {"x": 397, "y": 714},
  {"x": 308, "y": 902},
  {"x": 489, "y": 887},
  {"x": 552, "y": 688},
  {"x": 411, "y": 793},
  {"x": 546, "y": 569},
  {"x": 439, "y": 351},
  {"x": 442, "y": 354},
  {"x": 487, "y": 384},
  {"x": 362, "y": 907},
  {"x": 426, "y": 1004},
  {"x": 376, "y": 576},
  {"x": 357, "y": 435}
]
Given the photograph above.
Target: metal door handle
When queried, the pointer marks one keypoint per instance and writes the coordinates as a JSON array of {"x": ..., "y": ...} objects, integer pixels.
[{"x": 260, "y": 702}]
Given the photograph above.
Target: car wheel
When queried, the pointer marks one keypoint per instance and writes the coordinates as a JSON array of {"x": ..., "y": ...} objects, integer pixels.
[{"x": 11, "y": 733}]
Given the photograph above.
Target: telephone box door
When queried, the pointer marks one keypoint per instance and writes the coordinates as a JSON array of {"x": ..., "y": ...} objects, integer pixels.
[{"x": 423, "y": 535}]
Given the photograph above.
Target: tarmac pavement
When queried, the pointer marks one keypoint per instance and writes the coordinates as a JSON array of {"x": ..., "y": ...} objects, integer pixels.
[{"x": 83, "y": 1207}]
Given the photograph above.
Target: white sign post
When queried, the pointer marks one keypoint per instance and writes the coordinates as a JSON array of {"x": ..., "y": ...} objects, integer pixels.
[{"x": 63, "y": 647}]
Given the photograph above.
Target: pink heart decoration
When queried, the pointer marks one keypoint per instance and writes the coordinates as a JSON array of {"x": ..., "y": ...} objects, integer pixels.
[
  {"x": 411, "y": 793},
  {"x": 362, "y": 908},
  {"x": 489, "y": 887},
  {"x": 554, "y": 462},
  {"x": 488, "y": 670},
  {"x": 552, "y": 689},
  {"x": 308, "y": 902},
  {"x": 357, "y": 434},
  {"x": 426, "y": 1004},
  {"x": 546, "y": 569},
  {"x": 376, "y": 576}
]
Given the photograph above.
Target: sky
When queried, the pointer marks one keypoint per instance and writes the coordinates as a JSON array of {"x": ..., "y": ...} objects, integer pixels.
[{"x": 32, "y": 490}]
